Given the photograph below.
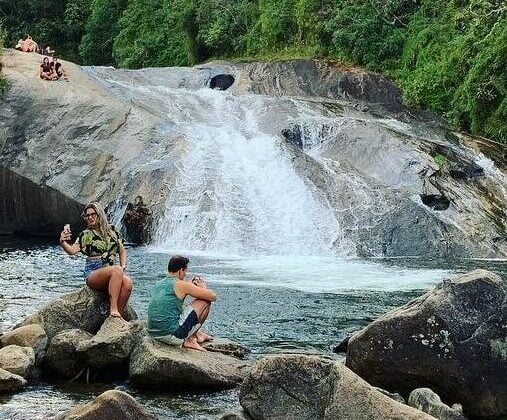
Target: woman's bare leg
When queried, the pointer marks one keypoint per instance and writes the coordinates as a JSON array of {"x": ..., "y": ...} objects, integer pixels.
[
  {"x": 110, "y": 278},
  {"x": 126, "y": 290}
]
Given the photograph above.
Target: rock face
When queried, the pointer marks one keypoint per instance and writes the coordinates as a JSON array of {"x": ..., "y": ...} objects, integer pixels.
[
  {"x": 84, "y": 309},
  {"x": 17, "y": 360},
  {"x": 153, "y": 364},
  {"x": 426, "y": 400},
  {"x": 10, "y": 382},
  {"x": 32, "y": 336},
  {"x": 112, "y": 404},
  {"x": 138, "y": 222},
  {"x": 305, "y": 387},
  {"x": 111, "y": 345},
  {"x": 114, "y": 135},
  {"x": 452, "y": 340},
  {"x": 62, "y": 358}
]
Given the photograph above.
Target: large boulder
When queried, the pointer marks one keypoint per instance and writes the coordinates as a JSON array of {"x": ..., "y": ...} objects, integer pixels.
[
  {"x": 32, "y": 335},
  {"x": 10, "y": 382},
  {"x": 117, "y": 405},
  {"x": 228, "y": 347},
  {"x": 154, "y": 364},
  {"x": 112, "y": 344},
  {"x": 85, "y": 309},
  {"x": 17, "y": 360},
  {"x": 452, "y": 340},
  {"x": 307, "y": 388},
  {"x": 62, "y": 358}
]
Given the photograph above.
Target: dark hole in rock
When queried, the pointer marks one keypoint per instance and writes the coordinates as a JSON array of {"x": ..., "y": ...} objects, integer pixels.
[
  {"x": 436, "y": 201},
  {"x": 466, "y": 172},
  {"x": 221, "y": 81},
  {"x": 293, "y": 135}
]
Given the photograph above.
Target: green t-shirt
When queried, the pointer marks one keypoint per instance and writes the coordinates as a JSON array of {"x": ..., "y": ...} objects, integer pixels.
[
  {"x": 93, "y": 245},
  {"x": 164, "y": 309}
]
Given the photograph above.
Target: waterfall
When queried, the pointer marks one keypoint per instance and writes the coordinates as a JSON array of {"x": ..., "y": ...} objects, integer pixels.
[{"x": 236, "y": 190}]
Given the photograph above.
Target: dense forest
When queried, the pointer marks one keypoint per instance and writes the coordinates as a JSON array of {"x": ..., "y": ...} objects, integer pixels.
[{"x": 448, "y": 56}]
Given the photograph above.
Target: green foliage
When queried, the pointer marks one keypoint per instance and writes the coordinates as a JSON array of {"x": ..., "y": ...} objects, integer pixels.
[
  {"x": 440, "y": 160},
  {"x": 101, "y": 28},
  {"x": 447, "y": 55}
]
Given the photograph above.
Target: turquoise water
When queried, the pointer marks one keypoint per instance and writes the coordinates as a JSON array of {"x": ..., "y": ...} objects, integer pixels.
[{"x": 268, "y": 303}]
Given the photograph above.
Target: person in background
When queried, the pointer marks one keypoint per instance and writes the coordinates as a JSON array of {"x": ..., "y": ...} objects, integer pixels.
[
  {"x": 60, "y": 72},
  {"x": 46, "y": 72},
  {"x": 170, "y": 321},
  {"x": 30, "y": 45},
  {"x": 102, "y": 244},
  {"x": 21, "y": 44}
]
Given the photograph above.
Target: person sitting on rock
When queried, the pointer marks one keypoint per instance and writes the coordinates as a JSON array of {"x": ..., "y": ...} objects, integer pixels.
[
  {"x": 60, "y": 72},
  {"x": 29, "y": 45},
  {"x": 21, "y": 43},
  {"x": 169, "y": 320},
  {"x": 46, "y": 71},
  {"x": 102, "y": 243}
]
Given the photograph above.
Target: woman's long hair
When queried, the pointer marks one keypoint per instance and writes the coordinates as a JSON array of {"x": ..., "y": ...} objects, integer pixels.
[{"x": 102, "y": 226}]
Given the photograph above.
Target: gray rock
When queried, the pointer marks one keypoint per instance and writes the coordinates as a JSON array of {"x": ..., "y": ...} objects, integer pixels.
[
  {"x": 446, "y": 340},
  {"x": 153, "y": 364},
  {"x": 17, "y": 360},
  {"x": 228, "y": 347},
  {"x": 62, "y": 358},
  {"x": 393, "y": 395},
  {"x": 308, "y": 388},
  {"x": 426, "y": 400},
  {"x": 117, "y": 405},
  {"x": 10, "y": 382},
  {"x": 85, "y": 309},
  {"x": 32, "y": 336},
  {"x": 111, "y": 345}
]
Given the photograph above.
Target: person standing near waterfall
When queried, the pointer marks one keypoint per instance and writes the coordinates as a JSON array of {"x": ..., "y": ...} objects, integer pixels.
[
  {"x": 102, "y": 244},
  {"x": 169, "y": 320}
]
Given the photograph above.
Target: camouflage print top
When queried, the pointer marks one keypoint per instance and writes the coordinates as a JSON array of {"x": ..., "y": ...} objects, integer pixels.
[{"x": 93, "y": 245}]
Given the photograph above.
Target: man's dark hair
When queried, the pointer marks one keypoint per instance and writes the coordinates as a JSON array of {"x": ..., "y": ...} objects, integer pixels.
[{"x": 176, "y": 263}]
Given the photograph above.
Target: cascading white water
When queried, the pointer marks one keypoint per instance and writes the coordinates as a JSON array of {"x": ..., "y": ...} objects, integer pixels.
[{"x": 237, "y": 191}]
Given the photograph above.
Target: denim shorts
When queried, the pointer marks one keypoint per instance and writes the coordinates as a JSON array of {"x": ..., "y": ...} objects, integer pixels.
[{"x": 92, "y": 265}]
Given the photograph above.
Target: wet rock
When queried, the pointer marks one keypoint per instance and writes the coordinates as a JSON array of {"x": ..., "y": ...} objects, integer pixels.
[
  {"x": 112, "y": 344},
  {"x": 445, "y": 340},
  {"x": 466, "y": 172},
  {"x": 85, "y": 309},
  {"x": 305, "y": 387},
  {"x": 62, "y": 358},
  {"x": 426, "y": 400},
  {"x": 117, "y": 405},
  {"x": 17, "y": 360},
  {"x": 227, "y": 347},
  {"x": 32, "y": 336},
  {"x": 10, "y": 382},
  {"x": 153, "y": 364},
  {"x": 138, "y": 220},
  {"x": 221, "y": 81}
]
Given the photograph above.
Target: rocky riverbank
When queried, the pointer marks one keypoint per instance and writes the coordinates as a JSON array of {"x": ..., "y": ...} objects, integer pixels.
[
  {"x": 445, "y": 340},
  {"x": 398, "y": 181}
]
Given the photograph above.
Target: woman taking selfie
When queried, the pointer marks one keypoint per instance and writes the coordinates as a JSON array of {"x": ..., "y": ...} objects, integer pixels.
[{"x": 101, "y": 244}]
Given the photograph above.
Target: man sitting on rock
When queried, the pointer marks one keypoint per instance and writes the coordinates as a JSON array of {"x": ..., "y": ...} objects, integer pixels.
[{"x": 169, "y": 320}]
